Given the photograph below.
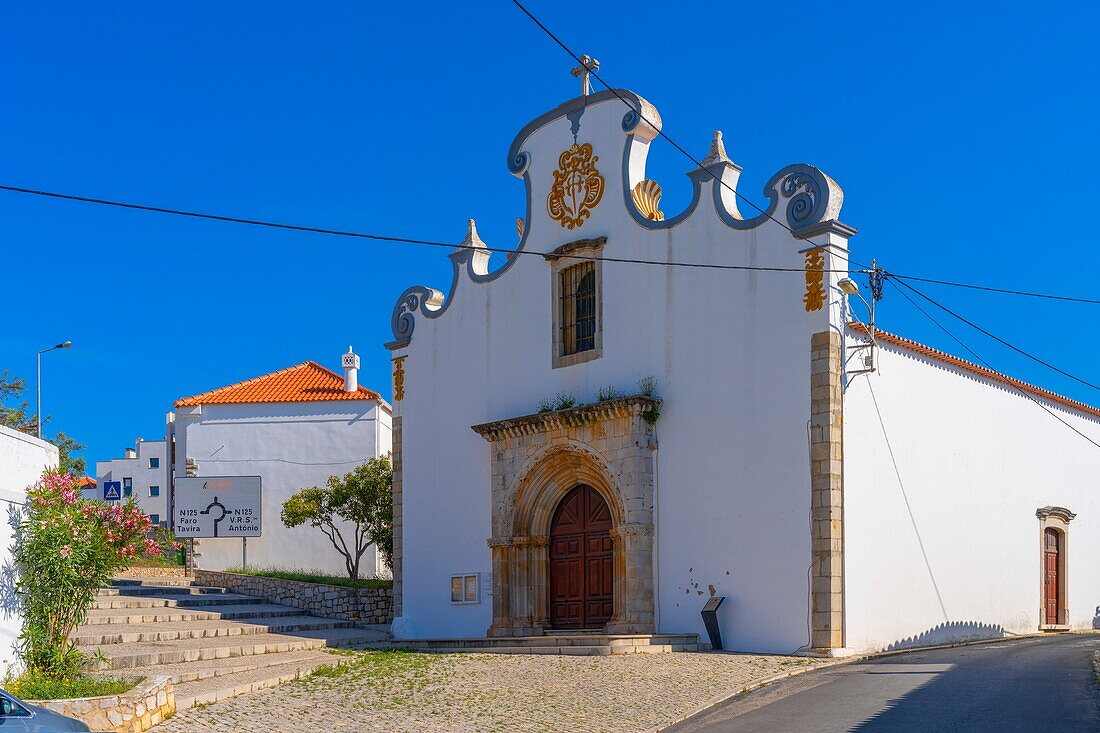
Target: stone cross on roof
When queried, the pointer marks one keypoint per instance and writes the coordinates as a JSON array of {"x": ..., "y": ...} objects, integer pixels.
[{"x": 588, "y": 65}]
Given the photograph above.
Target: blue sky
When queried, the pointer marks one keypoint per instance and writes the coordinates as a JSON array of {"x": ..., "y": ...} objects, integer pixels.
[{"x": 963, "y": 136}]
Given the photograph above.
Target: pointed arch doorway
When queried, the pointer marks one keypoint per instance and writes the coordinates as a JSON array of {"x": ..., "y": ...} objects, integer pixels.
[{"x": 582, "y": 577}]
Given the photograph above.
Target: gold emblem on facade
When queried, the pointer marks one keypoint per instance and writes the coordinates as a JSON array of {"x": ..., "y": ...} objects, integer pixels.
[
  {"x": 647, "y": 197},
  {"x": 398, "y": 379},
  {"x": 815, "y": 280},
  {"x": 577, "y": 187}
]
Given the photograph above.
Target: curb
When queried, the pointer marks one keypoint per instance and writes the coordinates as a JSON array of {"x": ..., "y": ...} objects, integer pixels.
[{"x": 763, "y": 682}]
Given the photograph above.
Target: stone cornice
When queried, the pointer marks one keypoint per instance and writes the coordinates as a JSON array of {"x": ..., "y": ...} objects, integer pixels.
[
  {"x": 581, "y": 245},
  {"x": 543, "y": 422},
  {"x": 1055, "y": 511}
]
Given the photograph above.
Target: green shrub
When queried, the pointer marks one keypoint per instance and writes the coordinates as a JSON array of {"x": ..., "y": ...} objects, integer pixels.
[{"x": 66, "y": 548}]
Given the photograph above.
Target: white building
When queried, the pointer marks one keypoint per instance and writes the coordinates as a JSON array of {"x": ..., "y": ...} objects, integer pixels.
[
  {"x": 143, "y": 473},
  {"x": 757, "y": 466},
  {"x": 23, "y": 458},
  {"x": 294, "y": 428}
]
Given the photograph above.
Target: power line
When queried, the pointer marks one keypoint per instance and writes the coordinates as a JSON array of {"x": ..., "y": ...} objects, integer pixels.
[
  {"x": 986, "y": 364},
  {"x": 1006, "y": 291},
  {"x": 386, "y": 238},
  {"x": 738, "y": 194},
  {"x": 1000, "y": 340}
]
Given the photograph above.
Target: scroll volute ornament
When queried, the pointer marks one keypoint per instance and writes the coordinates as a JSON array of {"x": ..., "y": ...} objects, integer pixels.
[{"x": 577, "y": 187}]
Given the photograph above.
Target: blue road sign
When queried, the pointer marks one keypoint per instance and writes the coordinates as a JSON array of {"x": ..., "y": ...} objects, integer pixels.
[{"x": 112, "y": 491}]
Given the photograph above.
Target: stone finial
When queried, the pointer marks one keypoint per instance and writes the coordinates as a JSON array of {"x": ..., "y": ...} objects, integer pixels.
[
  {"x": 717, "y": 152},
  {"x": 471, "y": 239},
  {"x": 473, "y": 250}
]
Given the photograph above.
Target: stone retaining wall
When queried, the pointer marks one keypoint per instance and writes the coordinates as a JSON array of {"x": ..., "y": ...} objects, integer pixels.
[
  {"x": 136, "y": 711},
  {"x": 362, "y": 605}
]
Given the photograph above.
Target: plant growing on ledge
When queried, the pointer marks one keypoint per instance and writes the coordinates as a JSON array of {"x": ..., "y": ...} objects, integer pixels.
[
  {"x": 647, "y": 386},
  {"x": 364, "y": 498},
  {"x": 561, "y": 401},
  {"x": 608, "y": 393},
  {"x": 67, "y": 547}
]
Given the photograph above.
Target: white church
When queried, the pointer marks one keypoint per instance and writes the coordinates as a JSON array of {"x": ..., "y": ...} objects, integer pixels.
[{"x": 583, "y": 443}]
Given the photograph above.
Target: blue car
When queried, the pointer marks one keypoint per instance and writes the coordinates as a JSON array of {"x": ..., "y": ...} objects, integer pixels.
[{"x": 17, "y": 716}]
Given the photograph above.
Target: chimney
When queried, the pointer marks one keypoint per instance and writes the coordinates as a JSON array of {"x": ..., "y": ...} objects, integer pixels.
[
  {"x": 131, "y": 453},
  {"x": 351, "y": 371}
]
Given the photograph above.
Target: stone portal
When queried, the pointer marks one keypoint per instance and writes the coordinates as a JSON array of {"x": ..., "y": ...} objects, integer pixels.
[{"x": 540, "y": 460}]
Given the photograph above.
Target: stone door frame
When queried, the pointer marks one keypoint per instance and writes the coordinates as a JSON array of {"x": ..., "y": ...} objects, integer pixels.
[{"x": 536, "y": 461}]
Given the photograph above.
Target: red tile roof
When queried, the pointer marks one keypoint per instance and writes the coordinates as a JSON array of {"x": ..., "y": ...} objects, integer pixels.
[
  {"x": 84, "y": 481},
  {"x": 954, "y": 361},
  {"x": 308, "y": 382}
]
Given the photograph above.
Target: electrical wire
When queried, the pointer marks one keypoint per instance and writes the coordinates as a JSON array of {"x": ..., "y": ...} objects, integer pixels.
[
  {"x": 986, "y": 364},
  {"x": 739, "y": 195},
  {"x": 1006, "y": 291},
  {"x": 386, "y": 238},
  {"x": 1000, "y": 340},
  {"x": 661, "y": 133}
]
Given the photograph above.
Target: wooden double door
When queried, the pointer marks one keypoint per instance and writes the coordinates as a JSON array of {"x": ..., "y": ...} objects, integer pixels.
[{"x": 581, "y": 561}]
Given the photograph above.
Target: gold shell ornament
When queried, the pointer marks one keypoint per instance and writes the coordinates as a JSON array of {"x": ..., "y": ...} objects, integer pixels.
[
  {"x": 577, "y": 188},
  {"x": 647, "y": 197}
]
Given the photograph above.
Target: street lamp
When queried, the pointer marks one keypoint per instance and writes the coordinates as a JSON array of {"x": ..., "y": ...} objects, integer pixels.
[
  {"x": 848, "y": 286},
  {"x": 38, "y": 384}
]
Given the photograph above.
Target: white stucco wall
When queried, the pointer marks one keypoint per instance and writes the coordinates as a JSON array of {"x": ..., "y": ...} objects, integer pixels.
[
  {"x": 143, "y": 475},
  {"x": 976, "y": 459},
  {"x": 290, "y": 446},
  {"x": 731, "y": 353},
  {"x": 22, "y": 460}
]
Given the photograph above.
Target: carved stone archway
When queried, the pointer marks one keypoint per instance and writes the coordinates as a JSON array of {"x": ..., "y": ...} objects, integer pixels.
[{"x": 537, "y": 459}]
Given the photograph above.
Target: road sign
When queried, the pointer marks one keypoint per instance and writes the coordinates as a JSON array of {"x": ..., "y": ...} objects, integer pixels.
[
  {"x": 217, "y": 506},
  {"x": 112, "y": 491}
]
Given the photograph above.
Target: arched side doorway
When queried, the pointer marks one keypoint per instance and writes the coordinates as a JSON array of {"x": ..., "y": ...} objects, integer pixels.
[
  {"x": 581, "y": 561},
  {"x": 1054, "y": 567}
]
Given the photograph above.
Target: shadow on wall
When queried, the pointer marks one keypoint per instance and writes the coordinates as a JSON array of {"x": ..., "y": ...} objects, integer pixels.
[
  {"x": 10, "y": 604},
  {"x": 951, "y": 633}
]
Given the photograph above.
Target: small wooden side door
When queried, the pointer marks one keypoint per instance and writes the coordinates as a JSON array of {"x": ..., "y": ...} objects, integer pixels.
[{"x": 1050, "y": 575}]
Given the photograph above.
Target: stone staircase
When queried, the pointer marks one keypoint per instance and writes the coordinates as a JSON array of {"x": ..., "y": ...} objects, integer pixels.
[{"x": 211, "y": 643}]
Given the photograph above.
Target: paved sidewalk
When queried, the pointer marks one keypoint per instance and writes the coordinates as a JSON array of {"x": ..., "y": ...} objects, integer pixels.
[{"x": 452, "y": 693}]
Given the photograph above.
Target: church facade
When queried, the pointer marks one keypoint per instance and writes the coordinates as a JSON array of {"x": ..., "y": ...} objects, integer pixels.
[{"x": 635, "y": 413}]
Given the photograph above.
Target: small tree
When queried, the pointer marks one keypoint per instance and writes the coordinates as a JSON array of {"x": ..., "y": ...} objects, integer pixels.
[{"x": 363, "y": 497}]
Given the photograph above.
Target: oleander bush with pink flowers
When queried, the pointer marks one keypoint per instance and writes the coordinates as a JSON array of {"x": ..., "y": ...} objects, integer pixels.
[{"x": 66, "y": 549}]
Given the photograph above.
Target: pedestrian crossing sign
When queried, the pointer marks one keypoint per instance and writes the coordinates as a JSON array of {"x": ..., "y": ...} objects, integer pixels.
[{"x": 112, "y": 491}]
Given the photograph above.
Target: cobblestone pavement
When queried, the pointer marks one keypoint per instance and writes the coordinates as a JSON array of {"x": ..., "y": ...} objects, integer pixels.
[{"x": 468, "y": 693}]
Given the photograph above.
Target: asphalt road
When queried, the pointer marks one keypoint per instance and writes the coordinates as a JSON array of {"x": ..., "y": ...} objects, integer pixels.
[{"x": 1037, "y": 684}]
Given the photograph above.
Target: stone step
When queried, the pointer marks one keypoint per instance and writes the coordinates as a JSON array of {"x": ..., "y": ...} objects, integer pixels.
[
  {"x": 160, "y": 590},
  {"x": 182, "y": 582},
  {"x": 204, "y": 670},
  {"x": 172, "y": 615},
  {"x": 680, "y": 642},
  {"x": 128, "y": 633},
  {"x": 210, "y": 690},
  {"x": 172, "y": 601},
  {"x": 144, "y": 654}
]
